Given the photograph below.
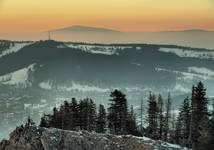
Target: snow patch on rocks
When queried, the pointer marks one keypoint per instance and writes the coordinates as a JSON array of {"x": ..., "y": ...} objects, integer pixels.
[{"x": 35, "y": 138}]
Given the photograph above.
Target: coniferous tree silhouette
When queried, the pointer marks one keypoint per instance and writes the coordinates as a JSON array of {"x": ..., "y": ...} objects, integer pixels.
[
  {"x": 211, "y": 129},
  {"x": 167, "y": 118},
  {"x": 131, "y": 123},
  {"x": 199, "y": 121},
  {"x": 160, "y": 116},
  {"x": 118, "y": 112},
  {"x": 101, "y": 119},
  {"x": 183, "y": 124},
  {"x": 152, "y": 117},
  {"x": 74, "y": 114}
]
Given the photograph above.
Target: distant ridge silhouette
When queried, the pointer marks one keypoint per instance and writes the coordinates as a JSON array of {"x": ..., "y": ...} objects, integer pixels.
[{"x": 79, "y": 28}]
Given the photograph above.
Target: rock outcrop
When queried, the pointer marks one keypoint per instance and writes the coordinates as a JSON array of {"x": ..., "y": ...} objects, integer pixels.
[{"x": 34, "y": 138}]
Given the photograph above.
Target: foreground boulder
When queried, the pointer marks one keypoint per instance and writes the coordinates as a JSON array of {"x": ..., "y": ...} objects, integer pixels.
[{"x": 34, "y": 138}]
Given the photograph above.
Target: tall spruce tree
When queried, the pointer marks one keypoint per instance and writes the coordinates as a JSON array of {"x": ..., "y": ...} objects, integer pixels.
[
  {"x": 192, "y": 116},
  {"x": 141, "y": 116},
  {"x": 131, "y": 123},
  {"x": 118, "y": 112},
  {"x": 92, "y": 116},
  {"x": 185, "y": 116},
  {"x": 160, "y": 116},
  {"x": 101, "y": 120},
  {"x": 56, "y": 119},
  {"x": 211, "y": 129},
  {"x": 73, "y": 114},
  {"x": 66, "y": 115},
  {"x": 87, "y": 115},
  {"x": 183, "y": 124},
  {"x": 167, "y": 118},
  {"x": 178, "y": 132},
  {"x": 172, "y": 127},
  {"x": 152, "y": 117},
  {"x": 199, "y": 128}
]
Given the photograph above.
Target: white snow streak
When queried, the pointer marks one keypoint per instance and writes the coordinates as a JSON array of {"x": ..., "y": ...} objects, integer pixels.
[
  {"x": 14, "y": 49},
  {"x": 17, "y": 77},
  {"x": 189, "y": 53},
  {"x": 181, "y": 88},
  {"x": 202, "y": 70},
  {"x": 83, "y": 88},
  {"x": 186, "y": 75},
  {"x": 96, "y": 49},
  {"x": 46, "y": 85}
]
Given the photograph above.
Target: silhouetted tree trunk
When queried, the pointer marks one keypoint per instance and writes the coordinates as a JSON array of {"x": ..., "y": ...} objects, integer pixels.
[{"x": 160, "y": 116}]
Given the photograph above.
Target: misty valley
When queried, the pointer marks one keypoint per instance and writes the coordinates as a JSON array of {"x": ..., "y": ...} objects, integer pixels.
[{"x": 37, "y": 76}]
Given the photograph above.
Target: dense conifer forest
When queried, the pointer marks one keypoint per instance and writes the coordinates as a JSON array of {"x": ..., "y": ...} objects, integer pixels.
[{"x": 191, "y": 127}]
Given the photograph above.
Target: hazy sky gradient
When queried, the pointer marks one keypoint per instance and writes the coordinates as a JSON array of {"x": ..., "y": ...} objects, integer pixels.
[{"x": 125, "y": 15}]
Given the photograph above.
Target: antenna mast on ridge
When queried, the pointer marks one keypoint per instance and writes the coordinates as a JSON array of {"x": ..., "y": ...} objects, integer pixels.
[{"x": 49, "y": 35}]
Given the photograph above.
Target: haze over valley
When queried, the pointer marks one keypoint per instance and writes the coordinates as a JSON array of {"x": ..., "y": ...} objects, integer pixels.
[
  {"x": 191, "y": 37},
  {"x": 40, "y": 75}
]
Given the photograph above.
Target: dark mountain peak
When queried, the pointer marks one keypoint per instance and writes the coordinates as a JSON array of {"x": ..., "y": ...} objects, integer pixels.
[
  {"x": 79, "y": 28},
  {"x": 195, "y": 30},
  {"x": 188, "y": 31}
]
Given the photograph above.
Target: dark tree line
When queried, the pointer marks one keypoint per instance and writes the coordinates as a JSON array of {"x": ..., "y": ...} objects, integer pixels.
[
  {"x": 193, "y": 126},
  {"x": 5, "y": 45},
  {"x": 83, "y": 115},
  {"x": 194, "y": 123},
  {"x": 159, "y": 118}
]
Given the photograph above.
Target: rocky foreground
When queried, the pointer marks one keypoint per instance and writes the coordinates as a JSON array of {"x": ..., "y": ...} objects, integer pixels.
[{"x": 34, "y": 138}]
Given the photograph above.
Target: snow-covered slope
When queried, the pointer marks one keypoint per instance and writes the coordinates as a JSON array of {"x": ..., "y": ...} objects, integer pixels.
[
  {"x": 14, "y": 48},
  {"x": 18, "y": 77}
]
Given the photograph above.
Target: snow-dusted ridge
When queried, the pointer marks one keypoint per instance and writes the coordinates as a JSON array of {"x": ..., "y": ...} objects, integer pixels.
[
  {"x": 209, "y": 54},
  {"x": 187, "y": 75},
  {"x": 14, "y": 49},
  {"x": 96, "y": 49}
]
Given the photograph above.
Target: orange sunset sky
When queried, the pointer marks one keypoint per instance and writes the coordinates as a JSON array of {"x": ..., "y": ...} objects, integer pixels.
[{"x": 124, "y": 15}]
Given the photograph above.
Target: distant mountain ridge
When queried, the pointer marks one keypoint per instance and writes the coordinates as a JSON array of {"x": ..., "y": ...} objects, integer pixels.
[
  {"x": 79, "y": 28},
  {"x": 82, "y": 28},
  {"x": 199, "y": 38},
  {"x": 189, "y": 30}
]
